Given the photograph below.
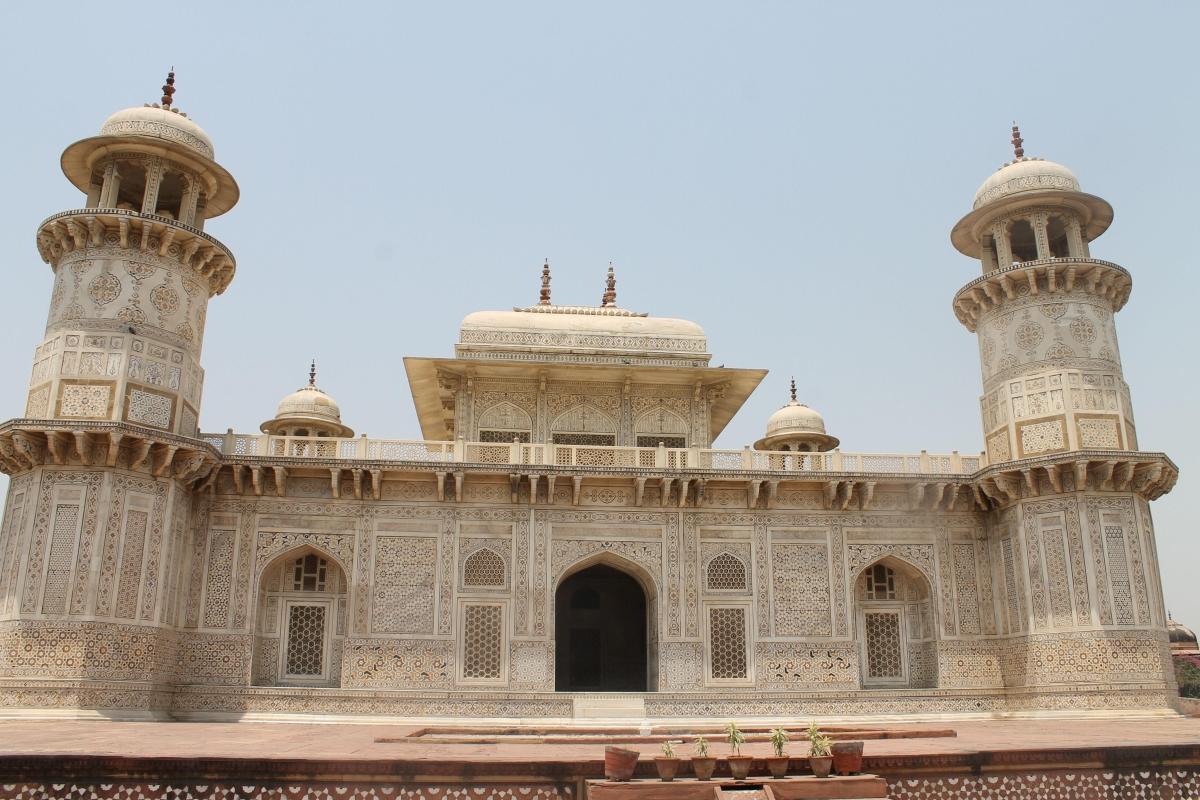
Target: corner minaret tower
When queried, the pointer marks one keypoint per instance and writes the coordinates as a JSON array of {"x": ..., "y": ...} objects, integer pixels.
[
  {"x": 133, "y": 273},
  {"x": 1043, "y": 311},
  {"x": 1071, "y": 531},
  {"x": 105, "y": 464}
]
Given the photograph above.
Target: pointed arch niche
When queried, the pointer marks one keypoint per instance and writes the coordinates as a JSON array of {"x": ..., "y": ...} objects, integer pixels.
[
  {"x": 584, "y": 424},
  {"x": 504, "y": 422},
  {"x": 605, "y": 627},
  {"x": 895, "y": 626},
  {"x": 660, "y": 425},
  {"x": 300, "y": 620}
]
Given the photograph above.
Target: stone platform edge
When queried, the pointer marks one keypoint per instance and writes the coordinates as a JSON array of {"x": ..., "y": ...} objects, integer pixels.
[{"x": 564, "y": 771}]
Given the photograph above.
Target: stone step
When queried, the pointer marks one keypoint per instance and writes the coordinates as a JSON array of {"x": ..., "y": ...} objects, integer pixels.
[{"x": 609, "y": 707}]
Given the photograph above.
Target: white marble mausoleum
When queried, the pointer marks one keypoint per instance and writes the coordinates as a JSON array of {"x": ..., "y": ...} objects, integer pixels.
[{"x": 563, "y": 540}]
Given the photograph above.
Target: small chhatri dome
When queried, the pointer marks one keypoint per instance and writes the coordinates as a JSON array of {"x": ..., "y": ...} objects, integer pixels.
[
  {"x": 308, "y": 411},
  {"x": 796, "y": 427},
  {"x": 1182, "y": 638}
]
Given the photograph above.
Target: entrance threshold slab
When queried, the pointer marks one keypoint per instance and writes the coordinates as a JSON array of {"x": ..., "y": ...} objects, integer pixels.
[{"x": 614, "y": 706}]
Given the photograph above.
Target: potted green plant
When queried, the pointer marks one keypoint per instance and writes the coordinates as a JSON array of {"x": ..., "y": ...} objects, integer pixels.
[
  {"x": 667, "y": 763},
  {"x": 819, "y": 758},
  {"x": 739, "y": 765},
  {"x": 778, "y": 763},
  {"x": 702, "y": 763}
]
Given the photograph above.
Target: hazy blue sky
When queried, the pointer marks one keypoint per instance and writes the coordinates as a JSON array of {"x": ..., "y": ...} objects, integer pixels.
[{"x": 785, "y": 174}]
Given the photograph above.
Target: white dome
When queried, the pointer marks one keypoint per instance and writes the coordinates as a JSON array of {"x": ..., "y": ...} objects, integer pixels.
[
  {"x": 796, "y": 425},
  {"x": 308, "y": 405},
  {"x": 155, "y": 122},
  {"x": 795, "y": 418},
  {"x": 1026, "y": 175},
  {"x": 309, "y": 401}
]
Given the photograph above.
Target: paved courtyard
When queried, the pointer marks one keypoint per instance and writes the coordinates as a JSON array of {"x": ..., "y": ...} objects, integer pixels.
[{"x": 357, "y": 742}]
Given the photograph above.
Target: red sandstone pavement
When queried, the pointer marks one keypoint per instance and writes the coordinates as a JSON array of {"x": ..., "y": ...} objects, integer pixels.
[{"x": 335, "y": 741}]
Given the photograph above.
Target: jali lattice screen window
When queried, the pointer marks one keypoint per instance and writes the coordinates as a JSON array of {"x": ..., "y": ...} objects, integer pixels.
[
  {"x": 483, "y": 643},
  {"x": 727, "y": 644}
]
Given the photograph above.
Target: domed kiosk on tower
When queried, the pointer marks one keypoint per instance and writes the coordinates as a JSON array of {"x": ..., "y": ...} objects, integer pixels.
[
  {"x": 796, "y": 427},
  {"x": 121, "y": 166},
  {"x": 995, "y": 230},
  {"x": 308, "y": 411}
]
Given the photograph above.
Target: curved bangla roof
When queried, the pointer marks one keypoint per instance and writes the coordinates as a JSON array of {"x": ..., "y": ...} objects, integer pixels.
[{"x": 574, "y": 332}]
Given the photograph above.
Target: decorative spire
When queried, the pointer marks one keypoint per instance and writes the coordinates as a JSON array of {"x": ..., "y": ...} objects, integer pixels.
[
  {"x": 794, "y": 389},
  {"x": 610, "y": 289},
  {"x": 168, "y": 89},
  {"x": 544, "y": 296},
  {"x": 312, "y": 374},
  {"x": 1017, "y": 141}
]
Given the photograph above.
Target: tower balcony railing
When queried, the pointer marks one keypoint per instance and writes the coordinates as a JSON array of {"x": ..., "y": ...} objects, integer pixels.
[
  {"x": 75, "y": 229},
  {"x": 1049, "y": 276},
  {"x": 586, "y": 456}
]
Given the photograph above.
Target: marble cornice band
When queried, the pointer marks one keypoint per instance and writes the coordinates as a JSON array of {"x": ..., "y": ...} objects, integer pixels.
[{"x": 25, "y": 444}]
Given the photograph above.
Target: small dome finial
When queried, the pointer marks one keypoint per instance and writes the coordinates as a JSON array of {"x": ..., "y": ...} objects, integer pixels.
[
  {"x": 610, "y": 289},
  {"x": 544, "y": 296},
  {"x": 168, "y": 89},
  {"x": 312, "y": 374},
  {"x": 1017, "y": 141},
  {"x": 794, "y": 389}
]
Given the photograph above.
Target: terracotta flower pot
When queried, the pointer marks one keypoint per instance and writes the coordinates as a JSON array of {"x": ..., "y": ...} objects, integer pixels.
[
  {"x": 703, "y": 767},
  {"x": 739, "y": 766},
  {"x": 820, "y": 765},
  {"x": 667, "y": 766},
  {"x": 619, "y": 763},
  {"x": 778, "y": 765},
  {"x": 847, "y": 757}
]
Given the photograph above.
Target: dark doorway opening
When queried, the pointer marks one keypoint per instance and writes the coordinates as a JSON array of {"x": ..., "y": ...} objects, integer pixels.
[{"x": 600, "y": 632}]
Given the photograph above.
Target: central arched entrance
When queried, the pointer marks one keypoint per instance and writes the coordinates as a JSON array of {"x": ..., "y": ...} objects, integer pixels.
[{"x": 600, "y": 632}]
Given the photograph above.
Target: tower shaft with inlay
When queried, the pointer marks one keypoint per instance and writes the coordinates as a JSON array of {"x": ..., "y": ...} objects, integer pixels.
[{"x": 1071, "y": 521}]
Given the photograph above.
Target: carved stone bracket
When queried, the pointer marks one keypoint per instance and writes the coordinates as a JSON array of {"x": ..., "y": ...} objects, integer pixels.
[{"x": 1103, "y": 279}]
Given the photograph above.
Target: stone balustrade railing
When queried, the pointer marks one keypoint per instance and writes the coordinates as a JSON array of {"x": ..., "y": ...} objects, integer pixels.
[{"x": 564, "y": 455}]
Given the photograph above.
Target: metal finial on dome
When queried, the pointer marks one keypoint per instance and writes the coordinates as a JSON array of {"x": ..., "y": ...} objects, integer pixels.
[
  {"x": 544, "y": 296},
  {"x": 168, "y": 89},
  {"x": 794, "y": 389},
  {"x": 1017, "y": 141},
  {"x": 610, "y": 288},
  {"x": 312, "y": 374}
]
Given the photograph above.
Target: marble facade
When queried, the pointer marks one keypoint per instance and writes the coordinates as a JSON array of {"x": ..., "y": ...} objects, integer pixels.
[{"x": 147, "y": 568}]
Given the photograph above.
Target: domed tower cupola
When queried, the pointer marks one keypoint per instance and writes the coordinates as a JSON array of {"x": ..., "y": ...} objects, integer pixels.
[
  {"x": 308, "y": 411},
  {"x": 796, "y": 427},
  {"x": 1028, "y": 210},
  {"x": 152, "y": 160}
]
